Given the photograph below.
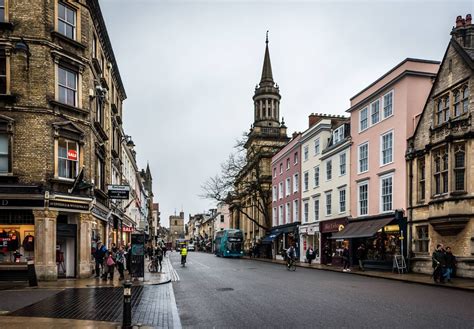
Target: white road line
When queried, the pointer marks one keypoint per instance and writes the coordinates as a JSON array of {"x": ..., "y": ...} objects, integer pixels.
[
  {"x": 172, "y": 272},
  {"x": 203, "y": 265},
  {"x": 174, "y": 309}
]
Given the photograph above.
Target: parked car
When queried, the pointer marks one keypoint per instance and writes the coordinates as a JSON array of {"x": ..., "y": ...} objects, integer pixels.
[{"x": 191, "y": 247}]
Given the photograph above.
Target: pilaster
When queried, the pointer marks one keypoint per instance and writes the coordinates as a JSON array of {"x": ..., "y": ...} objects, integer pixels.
[
  {"x": 84, "y": 245},
  {"x": 45, "y": 248}
]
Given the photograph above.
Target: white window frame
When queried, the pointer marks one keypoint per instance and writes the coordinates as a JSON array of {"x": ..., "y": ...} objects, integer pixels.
[
  {"x": 306, "y": 211},
  {"x": 326, "y": 194},
  {"x": 358, "y": 157},
  {"x": 342, "y": 164},
  {"x": 305, "y": 153},
  {"x": 288, "y": 164},
  {"x": 372, "y": 123},
  {"x": 383, "y": 102},
  {"x": 366, "y": 110},
  {"x": 295, "y": 183},
  {"x": 305, "y": 181},
  {"x": 67, "y": 87},
  {"x": 274, "y": 193},
  {"x": 68, "y": 162},
  {"x": 381, "y": 148},
  {"x": 64, "y": 21},
  {"x": 275, "y": 216},
  {"x": 329, "y": 161},
  {"x": 338, "y": 134},
  {"x": 280, "y": 190},
  {"x": 317, "y": 146},
  {"x": 365, "y": 182},
  {"x": 341, "y": 211},
  {"x": 317, "y": 176},
  {"x": 288, "y": 213},
  {"x": 280, "y": 215},
  {"x": 295, "y": 210},
  {"x": 287, "y": 186},
  {"x": 316, "y": 210},
  {"x": 382, "y": 178}
]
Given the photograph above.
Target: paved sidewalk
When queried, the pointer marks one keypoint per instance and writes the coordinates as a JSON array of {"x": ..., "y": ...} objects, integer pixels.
[{"x": 457, "y": 283}]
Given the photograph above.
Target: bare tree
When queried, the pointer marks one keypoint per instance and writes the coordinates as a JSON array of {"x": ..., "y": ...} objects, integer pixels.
[{"x": 243, "y": 177}]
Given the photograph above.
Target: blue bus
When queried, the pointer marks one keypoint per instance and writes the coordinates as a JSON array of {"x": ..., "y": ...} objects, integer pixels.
[{"x": 228, "y": 243}]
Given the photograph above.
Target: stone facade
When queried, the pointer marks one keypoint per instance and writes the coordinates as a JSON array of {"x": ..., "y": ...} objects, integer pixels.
[
  {"x": 177, "y": 228},
  {"x": 61, "y": 131},
  {"x": 440, "y": 160}
]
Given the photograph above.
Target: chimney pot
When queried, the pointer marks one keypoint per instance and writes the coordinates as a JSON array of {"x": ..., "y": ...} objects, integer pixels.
[
  {"x": 458, "y": 21},
  {"x": 468, "y": 19}
]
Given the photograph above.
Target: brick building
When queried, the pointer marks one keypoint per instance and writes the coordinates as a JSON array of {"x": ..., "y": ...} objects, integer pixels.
[
  {"x": 60, "y": 133},
  {"x": 441, "y": 160}
]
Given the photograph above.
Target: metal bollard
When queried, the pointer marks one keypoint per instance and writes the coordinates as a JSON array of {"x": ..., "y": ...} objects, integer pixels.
[{"x": 127, "y": 305}]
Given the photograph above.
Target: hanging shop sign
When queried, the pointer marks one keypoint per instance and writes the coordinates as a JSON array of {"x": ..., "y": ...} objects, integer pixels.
[
  {"x": 120, "y": 192},
  {"x": 127, "y": 229}
]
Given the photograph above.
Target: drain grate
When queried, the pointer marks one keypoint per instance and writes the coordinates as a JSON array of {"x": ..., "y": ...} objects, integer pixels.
[{"x": 225, "y": 289}]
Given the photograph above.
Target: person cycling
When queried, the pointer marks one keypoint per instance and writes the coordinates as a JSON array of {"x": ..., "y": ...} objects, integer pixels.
[
  {"x": 290, "y": 255},
  {"x": 184, "y": 253}
]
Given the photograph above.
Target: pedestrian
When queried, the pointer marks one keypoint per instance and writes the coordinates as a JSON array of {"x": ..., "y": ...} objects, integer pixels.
[
  {"x": 114, "y": 248},
  {"x": 99, "y": 255},
  {"x": 327, "y": 254},
  {"x": 120, "y": 260},
  {"x": 346, "y": 260},
  {"x": 149, "y": 251},
  {"x": 159, "y": 255},
  {"x": 110, "y": 265},
  {"x": 164, "y": 250},
  {"x": 439, "y": 264},
  {"x": 360, "y": 253},
  {"x": 450, "y": 264},
  {"x": 128, "y": 258},
  {"x": 310, "y": 255}
]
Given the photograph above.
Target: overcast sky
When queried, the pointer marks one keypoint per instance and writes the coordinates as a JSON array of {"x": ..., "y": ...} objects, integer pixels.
[{"x": 190, "y": 69}]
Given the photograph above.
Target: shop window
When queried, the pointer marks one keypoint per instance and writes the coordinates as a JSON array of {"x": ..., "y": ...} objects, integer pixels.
[
  {"x": 68, "y": 158},
  {"x": 459, "y": 168},
  {"x": 421, "y": 179},
  {"x": 67, "y": 86},
  {"x": 440, "y": 171},
  {"x": 422, "y": 241},
  {"x": 4, "y": 153},
  {"x": 67, "y": 20}
]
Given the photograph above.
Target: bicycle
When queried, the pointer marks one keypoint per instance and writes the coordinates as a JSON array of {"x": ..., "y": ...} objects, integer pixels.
[
  {"x": 153, "y": 265},
  {"x": 290, "y": 265}
]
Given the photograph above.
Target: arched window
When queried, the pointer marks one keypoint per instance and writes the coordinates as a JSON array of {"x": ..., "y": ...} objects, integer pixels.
[{"x": 459, "y": 167}]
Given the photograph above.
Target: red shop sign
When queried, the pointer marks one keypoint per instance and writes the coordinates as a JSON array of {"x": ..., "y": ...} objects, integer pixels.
[
  {"x": 127, "y": 229},
  {"x": 72, "y": 155}
]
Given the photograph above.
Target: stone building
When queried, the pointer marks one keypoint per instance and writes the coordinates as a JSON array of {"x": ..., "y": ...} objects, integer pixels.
[
  {"x": 440, "y": 160},
  {"x": 251, "y": 208},
  {"x": 61, "y": 100},
  {"x": 176, "y": 228}
]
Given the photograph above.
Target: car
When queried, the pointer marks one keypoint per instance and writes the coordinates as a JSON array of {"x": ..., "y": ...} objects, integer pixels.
[{"x": 191, "y": 247}]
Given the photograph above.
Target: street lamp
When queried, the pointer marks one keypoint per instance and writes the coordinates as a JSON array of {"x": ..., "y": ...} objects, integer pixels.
[{"x": 23, "y": 48}]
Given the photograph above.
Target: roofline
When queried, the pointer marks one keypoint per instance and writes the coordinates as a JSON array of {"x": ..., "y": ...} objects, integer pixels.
[
  {"x": 408, "y": 59},
  {"x": 96, "y": 13}
]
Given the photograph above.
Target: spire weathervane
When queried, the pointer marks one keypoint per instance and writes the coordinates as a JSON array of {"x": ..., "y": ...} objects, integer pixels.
[{"x": 266, "y": 41}]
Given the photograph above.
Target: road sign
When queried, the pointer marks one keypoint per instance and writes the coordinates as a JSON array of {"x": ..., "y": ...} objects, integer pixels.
[{"x": 120, "y": 192}]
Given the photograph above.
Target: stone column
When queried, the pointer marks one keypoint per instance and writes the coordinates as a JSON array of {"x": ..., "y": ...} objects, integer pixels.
[
  {"x": 84, "y": 234},
  {"x": 45, "y": 244}
]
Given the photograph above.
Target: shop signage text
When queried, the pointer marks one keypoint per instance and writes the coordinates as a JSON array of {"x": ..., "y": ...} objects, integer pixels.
[
  {"x": 72, "y": 155},
  {"x": 120, "y": 192},
  {"x": 68, "y": 205},
  {"x": 333, "y": 225}
]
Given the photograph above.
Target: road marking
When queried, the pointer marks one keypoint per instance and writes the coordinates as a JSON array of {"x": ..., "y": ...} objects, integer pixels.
[
  {"x": 203, "y": 265},
  {"x": 172, "y": 272},
  {"x": 174, "y": 309}
]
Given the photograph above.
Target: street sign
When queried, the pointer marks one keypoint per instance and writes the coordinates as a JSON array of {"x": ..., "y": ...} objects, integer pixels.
[{"x": 120, "y": 192}]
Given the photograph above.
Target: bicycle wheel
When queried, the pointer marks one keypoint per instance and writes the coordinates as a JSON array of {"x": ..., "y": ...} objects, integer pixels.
[
  {"x": 151, "y": 267},
  {"x": 292, "y": 267}
]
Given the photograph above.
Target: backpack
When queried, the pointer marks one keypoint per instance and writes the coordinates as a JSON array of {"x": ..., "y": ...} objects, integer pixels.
[{"x": 110, "y": 261}]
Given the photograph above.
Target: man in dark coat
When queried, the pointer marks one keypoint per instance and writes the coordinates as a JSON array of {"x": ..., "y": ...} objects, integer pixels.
[
  {"x": 439, "y": 264},
  {"x": 450, "y": 264},
  {"x": 99, "y": 255},
  {"x": 360, "y": 253}
]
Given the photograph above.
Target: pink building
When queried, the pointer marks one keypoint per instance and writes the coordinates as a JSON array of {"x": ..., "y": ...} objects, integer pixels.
[
  {"x": 383, "y": 117},
  {"x": 286, "y": 197}
]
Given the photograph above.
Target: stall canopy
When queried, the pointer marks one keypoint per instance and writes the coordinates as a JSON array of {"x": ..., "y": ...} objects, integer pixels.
[
  {"x": 269, "y": 238},
  {"x": 363, "y": 229}
]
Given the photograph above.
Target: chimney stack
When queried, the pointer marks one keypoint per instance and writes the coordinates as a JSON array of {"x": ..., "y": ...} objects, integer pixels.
[
  {"x": 468, "y": 19},
  {"x": 459, "y": 21},
  {"x": 463, "y": 32}
]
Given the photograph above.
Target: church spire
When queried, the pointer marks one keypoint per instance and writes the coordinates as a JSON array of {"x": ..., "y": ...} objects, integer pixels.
[{"x": 267, "y": 75}]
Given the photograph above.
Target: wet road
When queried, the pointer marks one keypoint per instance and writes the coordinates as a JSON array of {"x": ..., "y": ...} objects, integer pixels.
[{"x": 237, "y": 293}]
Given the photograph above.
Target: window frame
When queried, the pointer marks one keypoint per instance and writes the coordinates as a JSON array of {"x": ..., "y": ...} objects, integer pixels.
[
  {"x": 305, "y": 211},
  {"x": 74, "y": 25},
  {"x": 421, "y": 165},
  {"x": 422, "y": 240},
  {"x": 305, "y": 153},
  {"x": 459, "y": 148},
  {"x": 372, "y": 112},
  {"x": 328, "y": 197},
  {"x": 58, "y": 158},
  {"x": 317, "y": 178},
  {"x": 328, "y": 170},
  {"x": 342, "y": 201},
  {"x": 382, "y": 195},
  {"x": 287, "y": 186},
  {"x": 391, "y": 148},
  {"x": 295, "y": 183},
  {"x": 384, "y": 105},
  {"x": 359, "y": 171},
  {"x": 59, "y": 86},
  {"x": 317, "y": 146},
  {"x": 359, "y": 185},
  {"x": 316, "y": 205},
  {"x": 342, "y": 164},
  {"x": 8, "y": 154},
  {"x": 295, "y": 210},
  {"x": 305, "y": 181},
  {"x": 366, "y": 110},
  {"x": 5, "y": 18},
  {"x": 288, "y": 213},
  {"x": 441, "y": 177},
  {"x": 280, "y": 190}
]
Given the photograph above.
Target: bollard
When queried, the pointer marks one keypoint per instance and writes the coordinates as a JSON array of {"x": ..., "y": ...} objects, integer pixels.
[
  {"x": 127, "y": 305},
  {"x": 33, "y": 282}
]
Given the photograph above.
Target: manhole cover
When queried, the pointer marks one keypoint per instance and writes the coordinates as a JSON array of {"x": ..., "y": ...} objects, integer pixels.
[{"x": 225, "y": 289}]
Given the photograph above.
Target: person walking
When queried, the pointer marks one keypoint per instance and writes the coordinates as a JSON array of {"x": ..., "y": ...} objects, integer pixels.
[
  {"x": 450, "y": 264},
  {"x": 164, "y": 250},
  {"x": 346, "y": 260},
  {"x": 120, "y": 260},
  {"x": 310, "y": 254},
  {"x": 99, "y": 255},
  {"x": 439, "y": 264},
  {"x": 159, "y": 255},
  {"x": 110, "y": 262},
  {"x": 360, "y": 253},
  {"x": 327, "y": 254}
]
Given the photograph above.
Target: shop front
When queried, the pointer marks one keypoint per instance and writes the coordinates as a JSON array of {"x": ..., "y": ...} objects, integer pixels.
[
  {"x": 309, "y": 237},
  {"x": 281, "y": 238},
  {"x": 331, "y": 249},
  {"x": 382, "y": 239}
]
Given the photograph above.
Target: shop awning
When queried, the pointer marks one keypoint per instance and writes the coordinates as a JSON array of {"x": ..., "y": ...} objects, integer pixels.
[
  {"x": 269, "y": 238},
  {"x": 363, "y": 229}
]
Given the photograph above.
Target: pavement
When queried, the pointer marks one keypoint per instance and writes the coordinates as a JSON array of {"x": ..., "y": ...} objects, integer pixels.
[
  {"x": 216, "y": 292},
  {"x": 456, "y": 283},
  {"x": 91, "y": 303}
]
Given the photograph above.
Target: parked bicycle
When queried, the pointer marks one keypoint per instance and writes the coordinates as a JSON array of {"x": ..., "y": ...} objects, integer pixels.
[{"x": 153, "y": 265}]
